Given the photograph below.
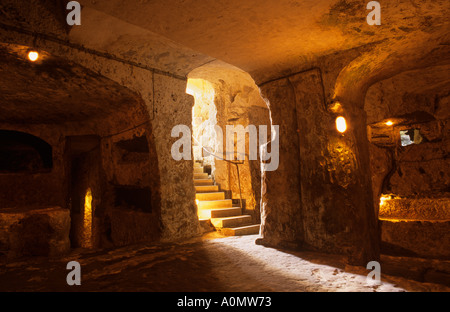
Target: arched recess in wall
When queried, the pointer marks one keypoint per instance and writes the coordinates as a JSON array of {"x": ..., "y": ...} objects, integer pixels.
[
  {"x": 387, "y": 60},
  {"x": 102, "y": 140},
  {"x": 23, "y": 152},
  {"x": 407, "y": 116},
  {"x": 408, "y": 121},
  {"x": 232, "y": 99},
  {"x": 392, "y": 91},
  {"x": 123, "y": 185}
]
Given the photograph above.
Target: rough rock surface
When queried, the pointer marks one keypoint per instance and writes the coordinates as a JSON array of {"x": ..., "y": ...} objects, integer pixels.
[
  {"x": 416, "y": 208},
  {"x": 322, "y": 171},
  {"x": 34, "y": 232},
  {"x": 414, "y": 180},
  {"x": 426, "y": 239}
]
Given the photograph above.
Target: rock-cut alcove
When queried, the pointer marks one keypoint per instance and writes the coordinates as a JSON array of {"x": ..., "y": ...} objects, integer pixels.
[
  {"x": 78, "y": 153},
  {"x": 408, "y": 122}
]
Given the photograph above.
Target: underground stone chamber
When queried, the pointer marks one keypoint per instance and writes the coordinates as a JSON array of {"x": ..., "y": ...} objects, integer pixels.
[{"x": 85, "y": 129}]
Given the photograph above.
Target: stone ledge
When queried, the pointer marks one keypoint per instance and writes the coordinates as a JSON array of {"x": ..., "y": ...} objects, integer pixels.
[
  {"x": 419, "y": 238},
  {"x": 30, "y": 231},
  {"x": 416, "y": 208}
]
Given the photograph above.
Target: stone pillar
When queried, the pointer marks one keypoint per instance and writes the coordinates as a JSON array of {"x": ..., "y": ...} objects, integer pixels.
[
  {"x": 321, "y": 195},
  {"x": 239, "y": 103},
  {"x": 281, "y": 213},
  {"x": 365, "y": 231},
  {"x": 178, "y": 211}
]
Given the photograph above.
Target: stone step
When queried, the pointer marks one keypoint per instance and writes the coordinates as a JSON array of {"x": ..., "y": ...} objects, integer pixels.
[
  {"x": 210, "y": 196},
  {"x": 212, "y": 204},
  {"x": 243, "y": 230},
  {"x": 225, "y": 212},
  {"x": 201, "y": 176},
  {"x": 203, "y": 182},
  {"x": 219, "y": 213},
  {"x": 235, "y": 221},
  {"x": 204, "y": 214},
  {"x": 198, "y": 169},
  {"x": 206, "y": 188}
]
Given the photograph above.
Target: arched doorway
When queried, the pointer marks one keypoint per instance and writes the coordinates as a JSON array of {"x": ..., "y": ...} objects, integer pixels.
[{"x": 227, "y": 97}]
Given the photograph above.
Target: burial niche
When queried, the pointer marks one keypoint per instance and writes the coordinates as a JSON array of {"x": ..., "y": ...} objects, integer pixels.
[{"x": 21, "y": 152}]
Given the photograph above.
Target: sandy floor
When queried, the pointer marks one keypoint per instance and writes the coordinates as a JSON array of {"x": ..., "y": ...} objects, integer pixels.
[
  {"x": 211, "y": 263},
  {"x": 274, "y": 270}
]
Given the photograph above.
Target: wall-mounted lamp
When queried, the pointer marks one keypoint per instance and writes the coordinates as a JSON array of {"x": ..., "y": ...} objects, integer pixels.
[
  {"x": 33, "y": 56},
  {"x": 341, "y": 124},
  {"x": 389, "y": 123}
]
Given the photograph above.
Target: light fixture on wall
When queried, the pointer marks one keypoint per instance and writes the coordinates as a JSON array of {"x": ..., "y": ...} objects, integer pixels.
[
  {"x": 341, "y": 124},
  {"x": 389, "y": 123},
  {"x": 33, "y": 55}
]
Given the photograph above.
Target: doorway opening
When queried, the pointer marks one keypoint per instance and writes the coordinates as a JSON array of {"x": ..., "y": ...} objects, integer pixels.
[
  {"x": 84, "y": 189},
  {"x": 228, "y": 191},
  {"x": 204, "y": 120}
]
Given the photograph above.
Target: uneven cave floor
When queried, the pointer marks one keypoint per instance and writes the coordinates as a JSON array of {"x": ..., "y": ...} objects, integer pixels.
[{"x": 211, "y": 263}]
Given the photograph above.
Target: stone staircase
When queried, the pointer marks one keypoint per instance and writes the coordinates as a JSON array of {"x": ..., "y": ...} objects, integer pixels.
[{"x": 213, "y": 207}]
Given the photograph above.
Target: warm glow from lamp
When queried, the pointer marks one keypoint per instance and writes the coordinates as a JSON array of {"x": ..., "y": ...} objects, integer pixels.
[
  {"x": 87, "y": 220},
  {"x": 389, "y": 123},
  {"x": 341, "y": 124},
  {"x": 33, "y": 56}
]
